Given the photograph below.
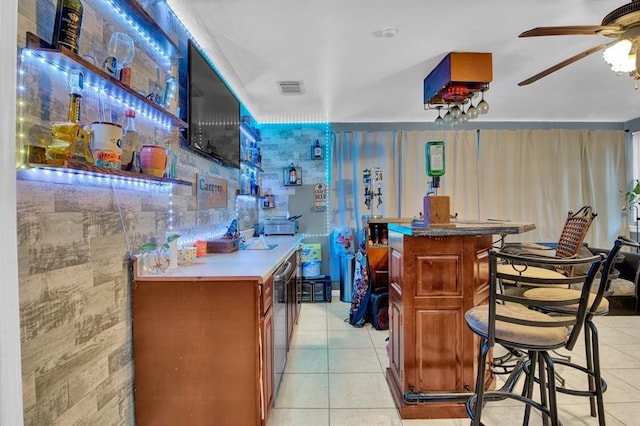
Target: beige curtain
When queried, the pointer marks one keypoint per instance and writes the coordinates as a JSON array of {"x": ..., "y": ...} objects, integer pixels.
[
  {"x": 532, "y": 176},
  {"x": 539, "y": 175}
]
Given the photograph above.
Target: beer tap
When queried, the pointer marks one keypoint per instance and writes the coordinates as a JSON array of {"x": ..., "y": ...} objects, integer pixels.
[
  {"x": 378, "y": 179},
  {"x": 368, "y": 194}
]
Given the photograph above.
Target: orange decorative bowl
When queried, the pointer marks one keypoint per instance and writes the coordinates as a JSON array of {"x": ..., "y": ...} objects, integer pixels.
[{"x": 153, "y": 160}]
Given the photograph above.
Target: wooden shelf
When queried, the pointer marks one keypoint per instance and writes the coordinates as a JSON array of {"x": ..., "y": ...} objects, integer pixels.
[
  {"x": 67, "y": 60},
  {"x": 72, "y": 166}
]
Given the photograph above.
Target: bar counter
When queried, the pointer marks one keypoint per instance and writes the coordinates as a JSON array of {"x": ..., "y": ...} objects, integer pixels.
[
  {"x": 244, "y": 264},
  {"x": 459, "y": 228},
  {"x": 436, "y": 274}
]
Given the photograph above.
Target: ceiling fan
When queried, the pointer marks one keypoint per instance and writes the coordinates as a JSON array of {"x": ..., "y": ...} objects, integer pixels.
[{"x": 623, "y": 24}]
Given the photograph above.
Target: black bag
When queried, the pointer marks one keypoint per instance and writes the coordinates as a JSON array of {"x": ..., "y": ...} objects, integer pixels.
[{"x": 379, "y": 310}]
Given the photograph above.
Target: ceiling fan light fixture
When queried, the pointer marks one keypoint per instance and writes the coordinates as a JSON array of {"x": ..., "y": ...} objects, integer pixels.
[{"x": 619, "y": 56}]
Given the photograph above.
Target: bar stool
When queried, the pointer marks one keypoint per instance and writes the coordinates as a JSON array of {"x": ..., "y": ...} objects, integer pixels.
[
  {"x": 569, "y": 243},
  {"x": 598, "y": 305},
  {"x": 508, "y": 321}
]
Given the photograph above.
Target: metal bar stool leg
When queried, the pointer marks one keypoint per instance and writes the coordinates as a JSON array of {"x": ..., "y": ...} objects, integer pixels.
[
  {"x": 551, "y": 377},
  {"x": 600, "y": 386}
]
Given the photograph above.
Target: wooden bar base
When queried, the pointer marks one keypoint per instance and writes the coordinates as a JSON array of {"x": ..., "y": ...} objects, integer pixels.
[{"x": 424, "y": 410}]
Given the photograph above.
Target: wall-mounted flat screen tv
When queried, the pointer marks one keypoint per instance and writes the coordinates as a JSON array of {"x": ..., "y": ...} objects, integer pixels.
[{"x": 213, "y": 112}]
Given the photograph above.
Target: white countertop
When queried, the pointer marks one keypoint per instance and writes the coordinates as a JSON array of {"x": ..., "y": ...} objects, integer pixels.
[{"x": 240, "y": 265}]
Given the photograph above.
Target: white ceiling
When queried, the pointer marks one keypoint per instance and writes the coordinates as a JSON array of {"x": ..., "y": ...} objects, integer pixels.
[{"x": 352, "y": 75}]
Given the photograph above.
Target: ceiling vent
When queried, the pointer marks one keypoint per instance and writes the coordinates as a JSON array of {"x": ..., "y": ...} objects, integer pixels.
[{"x": 291, "y": 87}]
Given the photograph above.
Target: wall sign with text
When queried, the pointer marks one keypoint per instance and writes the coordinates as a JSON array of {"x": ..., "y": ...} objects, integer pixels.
[
  {"x": 320, "y": 197},
  {"x": 211, "y": 192}
]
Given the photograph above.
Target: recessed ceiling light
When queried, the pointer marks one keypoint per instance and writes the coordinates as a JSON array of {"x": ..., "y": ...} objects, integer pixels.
[{"x": 386, "y": 32}]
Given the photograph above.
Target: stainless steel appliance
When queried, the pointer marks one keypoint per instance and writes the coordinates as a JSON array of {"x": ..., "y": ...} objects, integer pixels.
[
  {"x": 281, "y": 226},
  {"x": 280, "y": 335}
]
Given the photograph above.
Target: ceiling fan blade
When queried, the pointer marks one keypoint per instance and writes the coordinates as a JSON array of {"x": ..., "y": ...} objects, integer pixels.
[
  {"x": 566, "y": 62},
  {"x": 572, "y": 30}
]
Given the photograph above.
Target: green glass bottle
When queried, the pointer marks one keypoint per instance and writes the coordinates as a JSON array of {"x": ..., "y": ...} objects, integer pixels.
[{"x": 68, "y": 23}]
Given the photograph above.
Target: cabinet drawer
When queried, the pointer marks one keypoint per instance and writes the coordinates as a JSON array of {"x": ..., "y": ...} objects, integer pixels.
[{"x": 267, "y": 295}]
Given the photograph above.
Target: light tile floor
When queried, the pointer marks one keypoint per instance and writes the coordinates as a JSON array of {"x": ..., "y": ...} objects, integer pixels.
[{"x": 335, "y": 375}]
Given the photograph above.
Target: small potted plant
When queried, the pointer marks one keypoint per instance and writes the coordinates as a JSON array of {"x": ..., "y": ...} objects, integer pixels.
[
  {"x": 154, "y": 258},
  {"x": 632, "y": 195}
]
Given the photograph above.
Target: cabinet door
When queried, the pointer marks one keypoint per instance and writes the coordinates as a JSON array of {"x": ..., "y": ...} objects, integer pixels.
[
  {"x": 396, "y": 336},
  {"x": 267, "y": 364}
]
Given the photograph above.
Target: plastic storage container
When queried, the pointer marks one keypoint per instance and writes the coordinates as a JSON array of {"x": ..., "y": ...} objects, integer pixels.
[
  {"x": 346, "y": 277},
  {"x": 316, "y": 289},
  {"x": 311, "y": 269}
]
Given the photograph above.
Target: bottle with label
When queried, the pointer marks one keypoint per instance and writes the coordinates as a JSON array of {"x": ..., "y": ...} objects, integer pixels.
[
  {"x": 69, "y": 138},
  {"x": 129, "y": 142},
  {"x": 317, "y": 150},
  {"x": 244, "y": 182},
  {"x": 293, "y": 178},
  {"x": 67, "y": 24}
]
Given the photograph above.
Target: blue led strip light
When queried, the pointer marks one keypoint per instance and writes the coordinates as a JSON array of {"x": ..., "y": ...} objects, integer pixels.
[
  {"x": 134, "y": 25},
  {"x": 327, "y": 165},
  {"x": 204, "y": 53},
  {"x": 21, "y": 156},
  {"x": 73, "y": 176}
]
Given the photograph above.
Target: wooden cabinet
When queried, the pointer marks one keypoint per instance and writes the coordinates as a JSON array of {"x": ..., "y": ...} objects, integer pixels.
[
  {"x": 202, "y": 352},
  {"x": 376, "y": 236},
  {"x": 433, "y": 282}
]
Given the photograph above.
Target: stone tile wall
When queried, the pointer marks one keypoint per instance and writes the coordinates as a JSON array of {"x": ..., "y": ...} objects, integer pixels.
[{"x": 75, "y": 237}]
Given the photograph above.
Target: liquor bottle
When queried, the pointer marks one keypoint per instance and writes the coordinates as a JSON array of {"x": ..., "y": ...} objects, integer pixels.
[
  {"x": 259, "y": 158},
  {"x": 67, "y": 25},
  {"x": 129, "y": 142},
  {"x": 317, "y": 150},
  {"x": 69, "y": 139},
  {"x": 292, "y": 175}
]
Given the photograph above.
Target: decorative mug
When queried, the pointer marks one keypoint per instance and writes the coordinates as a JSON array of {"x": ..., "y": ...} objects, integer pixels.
[
  {"x": 186, "y": 255},
  {"x": 153, "y": 160},
  {"x": 106, "y": 144}
]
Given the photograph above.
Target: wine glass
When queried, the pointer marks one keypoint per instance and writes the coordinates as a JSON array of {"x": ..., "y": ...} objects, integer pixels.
[
  {"x": 439, "y": 119},
  {"x": 122, "y": 49},
  {"x": 472, "y": 112},
  {"x": 483, "y": 106}
]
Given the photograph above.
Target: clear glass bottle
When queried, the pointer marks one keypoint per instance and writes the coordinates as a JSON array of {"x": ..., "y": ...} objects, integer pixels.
[
  {"x": 172, "y": 163},
  {"x": 130, "y": 146},
  {"x": 169, "y": 98}
]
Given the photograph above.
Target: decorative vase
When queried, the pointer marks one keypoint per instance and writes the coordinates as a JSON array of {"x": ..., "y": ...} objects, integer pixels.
[
  {"x": 155, "y": 262},
  {"x": 153, "y": 160}
]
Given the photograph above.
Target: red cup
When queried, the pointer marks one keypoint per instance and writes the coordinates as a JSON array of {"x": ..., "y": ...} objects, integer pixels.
[{"x": 201, "y": 248}]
